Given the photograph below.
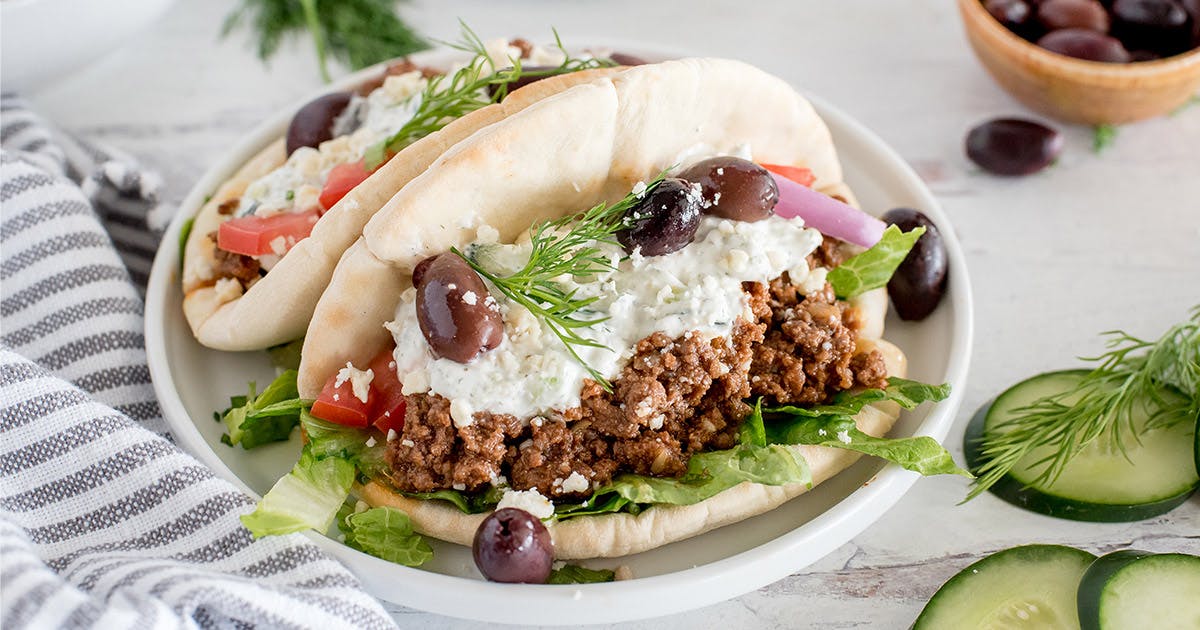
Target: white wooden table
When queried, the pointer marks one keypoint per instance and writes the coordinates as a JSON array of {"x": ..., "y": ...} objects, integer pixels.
[{"x": 1097, "y": 242}]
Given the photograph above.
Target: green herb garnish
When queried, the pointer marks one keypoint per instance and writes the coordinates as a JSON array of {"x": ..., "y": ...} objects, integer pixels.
[
  {"x": 568, "y": 246},
  {"x": 873, "y": 268},
  {"x": 1102, "y": 137},
  {"x": 474, "y": 86},
  {"x": 1105, "y": 404},
  {"x": 357, "y": 32}
]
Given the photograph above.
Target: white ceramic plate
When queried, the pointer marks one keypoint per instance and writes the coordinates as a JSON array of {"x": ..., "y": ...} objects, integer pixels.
[{"x": 193, "y": 381}]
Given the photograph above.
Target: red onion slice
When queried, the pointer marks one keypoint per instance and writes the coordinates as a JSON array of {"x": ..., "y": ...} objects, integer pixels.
[{"x": 828, "y": 215}]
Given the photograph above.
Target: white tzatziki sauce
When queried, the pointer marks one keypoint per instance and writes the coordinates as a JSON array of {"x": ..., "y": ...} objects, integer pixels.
[{"x": 696, "y": 289}]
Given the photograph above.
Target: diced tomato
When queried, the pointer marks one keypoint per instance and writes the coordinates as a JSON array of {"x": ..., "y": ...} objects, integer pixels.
[
  {"x": 253, "y": 235},
  {"x": 390, "y": 401},
  {"x": 342, "y": 179},
  {"x": 798, "y": 174},
  {"x": 338, "y": 404}
]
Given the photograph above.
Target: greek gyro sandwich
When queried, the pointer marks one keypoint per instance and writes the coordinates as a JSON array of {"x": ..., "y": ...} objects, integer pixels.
[
  {"x": 262, "y": 249},
  {"x": 634, "y": 310}
]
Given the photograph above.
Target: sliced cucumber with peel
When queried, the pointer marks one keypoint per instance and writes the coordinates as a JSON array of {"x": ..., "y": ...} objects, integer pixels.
[
  {"x": 1153, "y": 473},
  {"x": 1132, "y": 590},
  {"x": 1024, "y": 587}
]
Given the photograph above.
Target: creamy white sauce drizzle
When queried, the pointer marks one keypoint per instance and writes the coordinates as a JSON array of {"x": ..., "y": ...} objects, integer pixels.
[{"x": 696, "y": 289}]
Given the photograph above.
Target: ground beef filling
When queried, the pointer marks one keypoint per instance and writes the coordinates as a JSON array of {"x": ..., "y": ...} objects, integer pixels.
[{"x": 675, "y": 398}]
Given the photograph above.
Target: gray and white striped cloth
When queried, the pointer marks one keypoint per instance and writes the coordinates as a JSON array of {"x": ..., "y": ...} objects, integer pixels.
[{"x": 103, "y": 521}]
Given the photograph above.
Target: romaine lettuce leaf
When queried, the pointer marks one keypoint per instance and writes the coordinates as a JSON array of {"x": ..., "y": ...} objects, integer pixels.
[
  {"x": 286, "y": 356},
  {"x": 307, "y": 497},
  {"x": 258, "y": 419},
  {"x": 385, "y": 532},
  {"x": 328, "y": 439},
  {"x": 873, "y": 268},
  {"x": 833, "y": 425},
  {"x": 708, "y": 474},
  {"x": 473, "y": 503},
  {"x": 575, "y": 574}
]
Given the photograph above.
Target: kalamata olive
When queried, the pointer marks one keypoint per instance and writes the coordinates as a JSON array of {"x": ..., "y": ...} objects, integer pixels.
[
  {"x": 733, "y": 188},
  {"x": 1084, "y": 44},
  {"x": 1193, "y": 9},
  {"x": 454, "y": 309},
  {"x": 664, "y": 221},
  {"x": 1013, "y": 14},
  {"x": 1143, "y": 55},
  {"x": 512, "y": 545},
  {"x": 523, "y": 80},
  {"x": 313, "y": 124},
  {"x": 1162, "y": 26},
  {"x": 1012, "y": 146},
  {"x": 623, "y": 59},
  {"x": 920, "y": 281},
  {"x": 1058, "y": 14}
]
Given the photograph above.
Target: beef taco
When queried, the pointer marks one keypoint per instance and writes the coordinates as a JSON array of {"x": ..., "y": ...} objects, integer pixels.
[
  {"x": 269, "y": 238},
  {"x": 591, "y": 310}
]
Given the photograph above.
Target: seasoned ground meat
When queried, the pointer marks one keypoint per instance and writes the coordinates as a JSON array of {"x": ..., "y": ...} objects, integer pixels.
[
  {"x": 230, "y": 265},
  {"x": 676, "y": 397}
]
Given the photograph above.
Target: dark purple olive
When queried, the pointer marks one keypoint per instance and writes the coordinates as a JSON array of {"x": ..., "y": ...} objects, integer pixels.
[
  {"x": 1162, "y": 26},
  {"x": 1059, "y": 14},
  {"x": 1193, "y": 9},
  {"x": 1143, "y": 55},
  {"x": 313, "y": 124},
  {"x": 1012, "y": 146},
  {"x": 623, "y": 59},
  {"x": 733, "y": 188},
  {"x": 1013, "y": 14},
  {"x": 456, "y": 313},
  {"x": 664, "y": 221},
  {"x": 919, "y": 283},
  {"x": 512, "y": 545},
  {"x": 1084, "y": 44},
  {"x": 525, "y": 79}
]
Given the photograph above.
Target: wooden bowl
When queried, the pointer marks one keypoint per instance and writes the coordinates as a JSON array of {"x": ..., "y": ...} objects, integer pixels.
[{"x": 1075, "y": 90}]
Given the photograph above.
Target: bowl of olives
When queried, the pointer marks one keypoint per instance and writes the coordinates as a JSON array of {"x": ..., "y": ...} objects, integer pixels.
[{"x": 1089, "y": 61}]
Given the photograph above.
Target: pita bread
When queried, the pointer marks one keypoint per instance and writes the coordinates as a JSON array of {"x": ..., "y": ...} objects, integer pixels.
[
  {"x": 277, "y": 308},
  {"x": 622, "y": 534},
  {"x": 565, "y": 153},
  {"x": 559, "y": 156}
]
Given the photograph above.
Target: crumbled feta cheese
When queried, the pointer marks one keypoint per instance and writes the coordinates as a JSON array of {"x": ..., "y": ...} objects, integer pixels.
[
  {"x": 279, "y": 245},
  {"x": 415, "y": 382},
  {"x": 470, "y": 298},
  {"x": 371, "y": 441},
  {"x": 843, "y": 436},
  {"x": 408, "y": 443},
  {"x": 639, "y": 189},
  {"x": 392, "y": 435},
  {"x": 461, "y": 413},
  {"x": 486, "y": 234},
  {"x": 360, "y": 381},
  {"x": 530, "y": 500},
  {"x": 227, "y": 290},
  {"x": 575, "y": 482}
]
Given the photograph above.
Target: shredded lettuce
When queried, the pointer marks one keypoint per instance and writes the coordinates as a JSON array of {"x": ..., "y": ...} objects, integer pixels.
[
  {"x": 707, "y": 475},
  {"x": 873, "y": 268},
  {"x": 328, "y": 439},
  {"x": 575, "y": 574},
  {"x": 473, "y": 503},
  {"x": 833, "y": 425},
  {"x": 286, "y": 356},
  {"x": 387, "y": 533},
  {"x": 258, "y": 419},
  {"x": 307, "y": 497}
]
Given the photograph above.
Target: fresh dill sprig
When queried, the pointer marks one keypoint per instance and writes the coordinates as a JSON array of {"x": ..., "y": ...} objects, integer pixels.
[
  {"x": 1128, "y": 380},
  {"x": 568, "y": 246},
  {"x": 474, "y": 86},
  {"x": 358, "y": 32},
  {"x": 1103, "y": 137}
]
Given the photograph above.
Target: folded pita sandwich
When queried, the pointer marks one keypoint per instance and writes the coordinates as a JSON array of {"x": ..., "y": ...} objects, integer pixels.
[
  {"x": 595, "y": 310},
  {"x": 268, "y": 239}
]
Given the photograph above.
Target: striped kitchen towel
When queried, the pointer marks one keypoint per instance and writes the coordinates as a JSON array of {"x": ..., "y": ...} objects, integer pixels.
[{"x": 103, "y": 521}]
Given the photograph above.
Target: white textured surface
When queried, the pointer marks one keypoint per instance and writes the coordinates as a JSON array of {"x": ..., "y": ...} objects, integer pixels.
[{"x": 1095, "y": 243}]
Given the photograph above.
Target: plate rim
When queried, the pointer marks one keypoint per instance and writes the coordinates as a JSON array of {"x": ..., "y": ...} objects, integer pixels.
[{"x": 612, "y": 602}]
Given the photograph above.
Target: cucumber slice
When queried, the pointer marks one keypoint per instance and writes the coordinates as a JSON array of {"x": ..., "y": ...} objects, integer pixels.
[
  {"x": 1132, "y": 590},
  {"x": 1155, "y": 473},
  {"x": 1024, "y": 587}
]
